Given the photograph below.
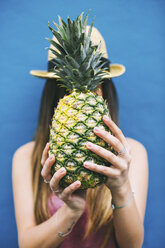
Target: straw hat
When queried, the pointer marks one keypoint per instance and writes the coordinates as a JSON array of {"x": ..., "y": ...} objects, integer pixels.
[{"x": 115, "y": 70}]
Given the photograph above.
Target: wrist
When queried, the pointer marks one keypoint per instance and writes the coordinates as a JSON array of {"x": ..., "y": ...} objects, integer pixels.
[
  {"x": 121, "y": 194},
  {"x": 66, "y": 216},
  {"x": 72, "y": 213}
]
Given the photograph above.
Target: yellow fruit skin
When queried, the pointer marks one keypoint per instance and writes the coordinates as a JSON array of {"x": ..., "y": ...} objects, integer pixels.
[{"x": 72, "y": 126}]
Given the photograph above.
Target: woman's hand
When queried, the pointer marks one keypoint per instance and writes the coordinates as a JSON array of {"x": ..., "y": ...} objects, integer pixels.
[
  {"x": 75, "y": 202},
  {"x": 128, "y": 222},
  {"x": 117, "y": 174}
]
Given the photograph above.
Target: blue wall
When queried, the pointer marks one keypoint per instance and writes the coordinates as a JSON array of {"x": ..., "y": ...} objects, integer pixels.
[{"x": 135, "y": 36}]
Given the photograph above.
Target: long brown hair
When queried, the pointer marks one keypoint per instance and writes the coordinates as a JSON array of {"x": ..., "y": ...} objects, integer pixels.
[{"x": 99, "y": 209}]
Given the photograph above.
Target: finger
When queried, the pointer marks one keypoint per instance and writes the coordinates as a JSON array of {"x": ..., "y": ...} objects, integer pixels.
[
  {"x": 46, "y": 170},
  {"x": 106, "y": 154},
  {"x": 69, "y": 190},
  {"x": 110, "y": 139},
  {"x": 115, "y": 130},
  {"x": 104, "y": 170},
  {"x": 45, "y": 154},
  {"x": 54, "y": 182}
]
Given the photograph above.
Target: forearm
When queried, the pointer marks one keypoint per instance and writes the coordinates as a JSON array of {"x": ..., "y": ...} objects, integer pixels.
[
  {"x": 45, "y": 235},
  {"x": 127, "y": 222}
]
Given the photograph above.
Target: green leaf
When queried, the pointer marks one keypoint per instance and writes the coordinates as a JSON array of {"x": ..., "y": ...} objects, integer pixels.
[
  {"x": 59, "y": 47},
  {"x": 56, "y": 34},
  {"x": 78, "y": 62},
  {"x": 86, "y": 19},
  {"x": 90, "y": 29},
  {"x": 58, "y": 55},
  {"x": 72, "y": 61},
  {"x": 61, "y": 22}
]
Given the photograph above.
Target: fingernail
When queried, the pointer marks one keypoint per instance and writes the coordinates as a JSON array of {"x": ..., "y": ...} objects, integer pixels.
[
  {"x": 86, "y": 164},
  {"x": 62, "y": 170},
  {"x": 77, "y": 183},
  {"x": 89, "y": 144},
  {"x": 106, "y": 118},
  {"x": 51, "y": 157},
  {"x": 97, "y": 129}
]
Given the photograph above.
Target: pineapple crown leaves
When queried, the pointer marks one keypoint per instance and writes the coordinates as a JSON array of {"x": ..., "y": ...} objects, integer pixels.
[{"x": 77, "y": 61}]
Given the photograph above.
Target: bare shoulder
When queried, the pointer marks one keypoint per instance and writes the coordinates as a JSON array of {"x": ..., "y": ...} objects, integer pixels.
[
  {"x": 22, "y": 158},
  {"x": 138, "y": 173},
  {"x": 139, "y": 156},
  {"x": 24, "y": 151},
  {"x": 136, "y": 147},
  {"x": 22, "y": 187}
]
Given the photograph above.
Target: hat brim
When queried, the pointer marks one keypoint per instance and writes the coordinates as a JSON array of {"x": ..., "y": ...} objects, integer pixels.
[{"x": 116, "y": 70}]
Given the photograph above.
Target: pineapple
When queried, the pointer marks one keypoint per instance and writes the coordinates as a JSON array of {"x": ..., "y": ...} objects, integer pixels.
[{"x": 80, "y": 70}]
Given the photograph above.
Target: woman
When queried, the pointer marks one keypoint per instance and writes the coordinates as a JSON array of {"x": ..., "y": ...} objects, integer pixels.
[{"x": 48, "y": 216}]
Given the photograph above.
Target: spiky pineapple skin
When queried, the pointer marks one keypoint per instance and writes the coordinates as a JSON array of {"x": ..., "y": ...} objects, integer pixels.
[{"x": 72, "y": 126}]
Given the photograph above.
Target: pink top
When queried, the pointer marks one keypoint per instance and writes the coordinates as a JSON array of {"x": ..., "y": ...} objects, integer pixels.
[{"x": 75, "y": 238}]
